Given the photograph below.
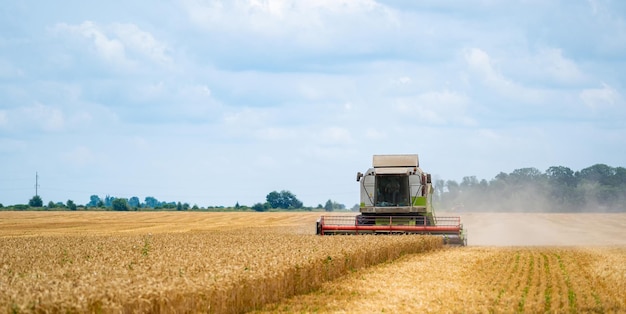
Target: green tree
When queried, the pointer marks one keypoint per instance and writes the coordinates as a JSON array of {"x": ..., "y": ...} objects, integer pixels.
[
  {"x": 561, "y": 175},
  {"x": 94, "y": 201},
  {"x": 469, "y": 182},
  {"x": 71, "y": 205},
  {"x": 284, "y": 200},
  {"x": 151, "y": 202},
  {"x": 526, "y": 175},
  {"x": 133, "y": 202},
  {"x": 20, "y": 207},
  {"x": 328, "y": 206},
  {"x": 439, "y": 190},
  {"x": 36, "y": 201},
  {"x": 274, "y": 199},
  {"x": 260, "y": 207},
  {"x": 599, "y": 173},
  {"x": 120, "y": 204},
  {"x": 51, "y": 204},
  {"x": 562, "y": 188},
  {"x": 108, "y": 201}
]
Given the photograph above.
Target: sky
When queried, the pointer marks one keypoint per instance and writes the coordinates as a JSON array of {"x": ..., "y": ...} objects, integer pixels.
[{"x": 216, "y": 102}]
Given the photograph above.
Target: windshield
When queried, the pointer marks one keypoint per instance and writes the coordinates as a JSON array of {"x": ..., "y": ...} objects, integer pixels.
[{"x": 392, "y": 190}]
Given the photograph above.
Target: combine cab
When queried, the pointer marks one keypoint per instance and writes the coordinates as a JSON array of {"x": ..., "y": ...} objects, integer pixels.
[{"x": 396, "y": 197}]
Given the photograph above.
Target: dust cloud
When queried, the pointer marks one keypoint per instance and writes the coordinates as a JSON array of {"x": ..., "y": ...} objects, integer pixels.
[
  {"x": 535, "y": 198},
  {"x": 536, "y": 215},
  {"x": 544, "y": 229}
]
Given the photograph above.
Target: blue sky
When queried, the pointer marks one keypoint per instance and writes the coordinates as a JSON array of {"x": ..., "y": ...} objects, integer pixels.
[{"x": 218, "y": 102}]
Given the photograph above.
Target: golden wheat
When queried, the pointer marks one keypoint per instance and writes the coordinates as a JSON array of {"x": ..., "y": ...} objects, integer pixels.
[
  {"x": 479, "y": 280},
  {"x": 215, "y": 270}
]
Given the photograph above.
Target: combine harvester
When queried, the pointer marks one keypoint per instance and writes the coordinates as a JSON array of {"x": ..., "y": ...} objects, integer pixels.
[{"x": 396, "y": 198}]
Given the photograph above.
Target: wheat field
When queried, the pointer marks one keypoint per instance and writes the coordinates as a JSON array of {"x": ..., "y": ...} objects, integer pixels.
[
  {"x": 516, "y": 262},
  {"x": 175, "y": 262},
  {"x": 479, "y": 280},
  {"x": 115, "y": 262}
]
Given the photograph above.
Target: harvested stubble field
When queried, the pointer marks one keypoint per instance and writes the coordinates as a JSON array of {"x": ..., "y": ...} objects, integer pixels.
[
  {"x": 234, "y": 262},
  {"x": 529, "y": 263},
  {"x": 478, "y": 280},
  {"x": 175, "y": 262}
]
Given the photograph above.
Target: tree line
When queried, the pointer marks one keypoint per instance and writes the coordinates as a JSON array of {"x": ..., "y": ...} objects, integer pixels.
[
  {"x": 599, "y": 188},
  {"x": 283, "y": 200},
  {"x": 559, "y": 189}
]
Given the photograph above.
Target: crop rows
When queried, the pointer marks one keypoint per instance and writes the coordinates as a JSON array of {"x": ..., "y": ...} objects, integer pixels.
[
  {"x": 495, "y": 280},
  {"x": 217, "y": 271}
]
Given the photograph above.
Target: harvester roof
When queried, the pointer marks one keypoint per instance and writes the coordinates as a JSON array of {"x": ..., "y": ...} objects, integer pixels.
[{"x": 389, "y": 161}]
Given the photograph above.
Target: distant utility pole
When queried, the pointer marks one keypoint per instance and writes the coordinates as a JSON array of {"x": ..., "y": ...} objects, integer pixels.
[{"x": 36, "y": 183}]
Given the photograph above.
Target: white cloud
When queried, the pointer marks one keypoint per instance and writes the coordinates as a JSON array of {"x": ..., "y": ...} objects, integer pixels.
[
  {"x": 441, "y": 107},
  {"x": 71, "y": 116},
  {"x": 329, "y": 81},
  {"x": 562, "y": 69},
  {"x": 404, "y": 80},
  {"x": 306, "y": 23},
  {"x": 545, "y": 67},
  {"x": 141, "y": 42},
  {"x": 596, "y": 98},
  {"x": 245, "y": 123},
  {"x": 483, "y": 65},
  {"x": 111, "y": 49},
  {"x": 196, "y": 91},
  {"x": 47, "y": 118},
  {"x": 263, "y": 15},
  {"x": 121, "y": 44},
  {"x": 151, "y": 91}
]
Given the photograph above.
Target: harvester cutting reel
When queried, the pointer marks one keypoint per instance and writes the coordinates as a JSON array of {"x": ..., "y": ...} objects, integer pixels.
[{"x": 449, "y": 228}]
